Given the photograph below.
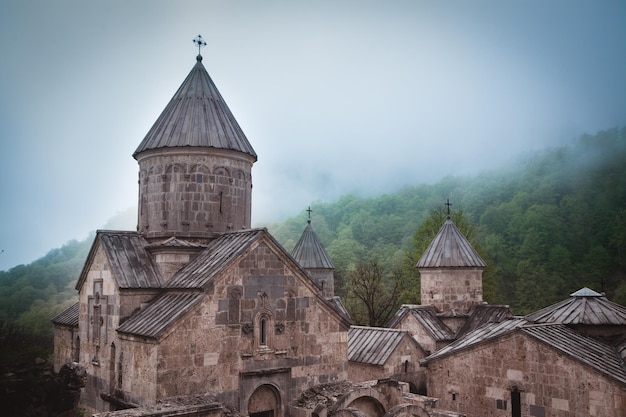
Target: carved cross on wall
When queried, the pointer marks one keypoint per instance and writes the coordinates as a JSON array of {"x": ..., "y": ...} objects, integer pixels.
[
  {"x": 263, "y": 296},
  {"x": 97, "y": 305}
]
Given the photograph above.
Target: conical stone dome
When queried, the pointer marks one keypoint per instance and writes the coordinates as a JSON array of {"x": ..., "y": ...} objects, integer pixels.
[{"x": 195, "y": 166}]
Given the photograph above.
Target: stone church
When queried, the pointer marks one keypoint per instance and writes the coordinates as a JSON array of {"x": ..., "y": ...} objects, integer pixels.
[
  {"x": 196, "y": 309},
  {"x": 198, "y": 314}
]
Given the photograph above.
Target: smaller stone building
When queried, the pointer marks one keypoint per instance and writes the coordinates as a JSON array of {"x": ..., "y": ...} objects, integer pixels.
[
  {"x": 66, "y": 339},
  {"x": 379, "y": 353},
  {"x": 516, "y": 368}
]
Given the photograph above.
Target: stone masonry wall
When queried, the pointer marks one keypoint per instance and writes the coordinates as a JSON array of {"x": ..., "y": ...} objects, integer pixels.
[
  {"x": 260, "y": 322},
  {"x": 102, "y": 307},
  {"x": 479, "y": 382},
  {"x": 65, "y": 346},
  {"x": 197, "y": 193},
  {"x": 450, "y": 289},
  {"x": 419, "y": 333},
  {"x": 97, "y": 318}
]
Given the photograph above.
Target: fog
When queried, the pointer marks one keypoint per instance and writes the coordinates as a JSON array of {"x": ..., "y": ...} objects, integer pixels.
[{"x": 335, "y": 96}]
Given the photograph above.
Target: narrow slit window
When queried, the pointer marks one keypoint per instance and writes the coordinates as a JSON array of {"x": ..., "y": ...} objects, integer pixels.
[{"x": 263, "y": 332}]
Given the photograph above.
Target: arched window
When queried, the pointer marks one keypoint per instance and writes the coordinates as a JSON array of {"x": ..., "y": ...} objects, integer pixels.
[{"x": 264, "y": 330}]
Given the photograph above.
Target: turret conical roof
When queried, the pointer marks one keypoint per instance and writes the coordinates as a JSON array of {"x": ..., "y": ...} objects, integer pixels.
[
  {"x": 309, "y": 251},
  {"x": 197, "y": 116},
  {"x": 450, "y": 249}
]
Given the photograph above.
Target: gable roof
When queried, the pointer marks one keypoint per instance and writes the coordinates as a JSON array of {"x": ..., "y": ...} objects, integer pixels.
[
  {"x": 67, "y": 317},
  {"x": 450, "y": 249},
  {"x": 583, "y": 307},
  {"x": 186, "y": 288},
  {"x": 196, "y": 116},
  {"x": 163, "y": 311},
  {"x": 220, "y": 252},
  {"x": 131, "y": 265},
  {"x": 480, "y": 314},
  {"x": 483, "y": 334},
  {"x": 593, "y": 353},
  {"x": 309, "y": 251},
  {"x": 374, "y": 345},
  {"x": 427, "y": 317}
]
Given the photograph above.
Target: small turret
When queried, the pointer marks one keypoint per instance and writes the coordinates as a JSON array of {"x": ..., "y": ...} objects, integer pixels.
[
  {"x": 451, "y": 272},
  {"x": 311, "y": 255}
]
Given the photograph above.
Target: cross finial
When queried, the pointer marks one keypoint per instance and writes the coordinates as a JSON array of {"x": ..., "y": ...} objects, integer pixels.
[
  {"x": 309, "y": 211},
  {"x": 200, "y": 43},
  {"x": 448, "y": 204}
]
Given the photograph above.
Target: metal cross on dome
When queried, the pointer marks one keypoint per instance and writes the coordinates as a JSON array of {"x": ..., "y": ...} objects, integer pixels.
[
  {"x": 200, "y": 43},
  {"x": 447, "y": 203}
]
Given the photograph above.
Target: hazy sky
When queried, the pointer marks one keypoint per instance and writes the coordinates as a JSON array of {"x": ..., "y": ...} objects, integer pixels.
[{"x": 335, "y": 96}]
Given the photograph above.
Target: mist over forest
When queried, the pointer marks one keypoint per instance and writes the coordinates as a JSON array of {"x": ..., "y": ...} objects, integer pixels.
[{"x": 546, "y": 225}]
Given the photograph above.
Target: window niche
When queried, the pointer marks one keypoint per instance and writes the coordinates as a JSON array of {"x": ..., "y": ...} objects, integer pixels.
[{"x": 264, "y": 330}]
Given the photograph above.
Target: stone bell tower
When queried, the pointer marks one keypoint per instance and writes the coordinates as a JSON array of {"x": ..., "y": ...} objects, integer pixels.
[
  {"x": 195, "y": 166},
  {"x": 451, "y": 272}
]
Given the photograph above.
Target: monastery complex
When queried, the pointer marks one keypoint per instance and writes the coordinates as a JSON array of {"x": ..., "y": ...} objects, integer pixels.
[{"x": 197, "y": 314}]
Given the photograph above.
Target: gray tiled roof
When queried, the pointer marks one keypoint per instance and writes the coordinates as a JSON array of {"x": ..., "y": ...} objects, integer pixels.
[
  {"x": 450, "y": 249},
  {"x": 592, "y": 352},
  {"x": 219, "y": 253},
  {"x": 131, "y": 265},
  {"x": 598, "y": 355},
  {"x": 309, "y": 251},
  {"x": 166, "y": 309},
  {"x": 186, "y": 287},
  {"x": 583, "y": 307},
  {"x": 427, "y": 317},
  {"x": 68, "y": 317},
  {"x": 483, "y": 334},
  {"x": 197, "y": 116},
  {"x": 373, "y": 345},
  {"x": 484, "y": 313}
]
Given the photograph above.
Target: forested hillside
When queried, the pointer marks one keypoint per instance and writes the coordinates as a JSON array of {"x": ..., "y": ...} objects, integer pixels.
[{"x": 547, "y": 224}]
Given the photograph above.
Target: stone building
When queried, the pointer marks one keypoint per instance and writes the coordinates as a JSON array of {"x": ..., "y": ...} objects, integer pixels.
[
  {"x": 195, "y": 301},
  {"x": 568, "y": 359},
  {"x": 518, "y": 368},
  {"x": 196, "y": 313},
  {"x": 451, "y": 293},
  {"x": 380, "y": 353}
]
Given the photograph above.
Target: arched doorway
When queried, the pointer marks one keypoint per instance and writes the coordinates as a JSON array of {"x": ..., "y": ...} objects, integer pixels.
[{"x": 265, "y": 402}]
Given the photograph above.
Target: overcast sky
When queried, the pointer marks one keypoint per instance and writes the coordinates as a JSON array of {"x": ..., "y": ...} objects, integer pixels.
[{"x": 335, "y": 96}]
